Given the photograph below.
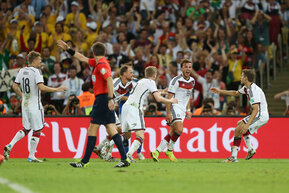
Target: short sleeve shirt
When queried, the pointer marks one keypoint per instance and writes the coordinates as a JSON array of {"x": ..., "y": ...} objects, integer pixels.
[{"x": 100, "y": 73}]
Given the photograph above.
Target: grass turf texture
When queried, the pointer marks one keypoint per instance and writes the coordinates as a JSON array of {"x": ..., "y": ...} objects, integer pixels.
[{"x": 187, "y": 175}]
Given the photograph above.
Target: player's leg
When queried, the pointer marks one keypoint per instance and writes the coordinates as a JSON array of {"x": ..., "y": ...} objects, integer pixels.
[
  {"x": 36, "y": 118},
  {"x": 140, "y": 156},
  {"x": 125, "y": 137},
  {"x": 91, "y": 140},
  {"x": 97, "y": 149},
  {"x": 177, "y": 130},
  {"x": 19, "y": 135},
  {"x": 111, "y": 130},
  {"x": 236, "y": 143},
  {"x": 109, "y": 146},
  {"x": 136, "y": 143},
  {"x": 162, "y": 146}
]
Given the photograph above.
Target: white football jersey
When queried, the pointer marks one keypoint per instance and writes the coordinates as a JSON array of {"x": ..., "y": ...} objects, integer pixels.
[
  {"x": 119, "y": 90},
  {"x": 140, "y": 92},
  {"x": 255, "y": 95},
  {"x": 28, "y": 78},
  {"x": 182, "y": 90}
]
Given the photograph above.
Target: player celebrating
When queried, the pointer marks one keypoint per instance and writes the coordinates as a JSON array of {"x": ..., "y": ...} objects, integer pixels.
[
  {"x": 132, "y": 116},
  {"x": 251, "y": 123},
  {"x": 181, "y": 87},
  {"x": 121, "y": 86},
  {"x": 103, "y": 108},
  {"x": 30, "y": 80}
]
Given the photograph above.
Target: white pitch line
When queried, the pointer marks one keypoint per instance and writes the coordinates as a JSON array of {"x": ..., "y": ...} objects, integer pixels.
[{"x": 14, "y": 186}]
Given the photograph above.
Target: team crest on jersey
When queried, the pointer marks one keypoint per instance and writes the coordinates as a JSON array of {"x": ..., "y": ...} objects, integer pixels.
[
  {"x": 252, "y": 100},
  {"x": 102, "y": 71}
]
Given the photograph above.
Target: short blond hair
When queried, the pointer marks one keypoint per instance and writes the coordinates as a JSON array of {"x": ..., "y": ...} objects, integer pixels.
[
  {"x": 32, "y": 56},
  {"x": 150, "y": 71}
]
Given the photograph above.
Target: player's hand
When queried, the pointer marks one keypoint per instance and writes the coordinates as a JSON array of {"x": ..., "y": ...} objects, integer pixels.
[
  {"x": 62, "y": 45},
  {"x": 111, "y": 105},
  {"x": 61, "y": 89},
  {"x": 174, "y": 100},
  {"x": 244, "y": 128},
  {"x": 188, "y": 115},
  {"x": 169, "y": 118},
  {"x": 215, "y": 90}
]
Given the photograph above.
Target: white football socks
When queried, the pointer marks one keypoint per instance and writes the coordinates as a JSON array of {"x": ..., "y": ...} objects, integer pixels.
[
  {"x": 162, "y": 145},
  {"x": 135, "y": 145},
  {"x": 247, "y": 140},
  {"x": 171, "y": 145},
  {"x": 235, "y": 151},
  {"x": 19, "y": 135},
  {"x": 33, "y": 145},
  {"x": 101, "y": 144}
]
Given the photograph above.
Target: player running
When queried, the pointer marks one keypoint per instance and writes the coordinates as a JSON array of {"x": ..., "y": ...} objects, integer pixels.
[
  {"x": 121, "y": 86},
  {"x": 103, "y": 108},
  {"x": 30, "y": 80},
  {"x": 254, "y": 121},
  {"x": 180, "y": 87},
  {"x": 132, "y": 118}
]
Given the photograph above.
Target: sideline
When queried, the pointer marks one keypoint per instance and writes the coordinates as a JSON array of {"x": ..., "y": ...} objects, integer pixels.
[{"x": 16, "y": 187}]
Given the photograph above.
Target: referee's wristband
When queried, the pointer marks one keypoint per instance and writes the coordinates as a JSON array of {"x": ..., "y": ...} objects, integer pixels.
[
  {"x": 109, "y": 98},
  {"x": 70, "y": 51}
]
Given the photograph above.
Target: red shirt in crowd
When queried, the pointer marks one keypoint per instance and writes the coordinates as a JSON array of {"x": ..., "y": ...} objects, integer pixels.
[{"x": 100, "y": 73}]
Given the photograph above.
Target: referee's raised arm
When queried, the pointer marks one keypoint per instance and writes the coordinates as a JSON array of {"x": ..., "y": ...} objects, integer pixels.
[{"x": 72, "y": 52}]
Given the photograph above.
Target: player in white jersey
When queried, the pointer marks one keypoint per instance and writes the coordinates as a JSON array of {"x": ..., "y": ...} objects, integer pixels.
[
  {"x": 132, "y": 118},
  {"x": 121, "y": 86},
  {"x": 28, "y": 84},
  {"x": 255, "y": 120},
  {"x": 181, "y": 87}
]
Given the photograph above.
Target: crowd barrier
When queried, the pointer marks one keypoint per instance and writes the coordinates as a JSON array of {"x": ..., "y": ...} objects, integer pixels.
[{"x": 203, "y": 137}]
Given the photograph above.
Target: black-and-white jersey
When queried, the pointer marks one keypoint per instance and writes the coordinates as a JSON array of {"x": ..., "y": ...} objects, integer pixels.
[
  {"x": 119, "y": 90},
  {"x": 182, "y": 90},
  {"x": 28, "y": 78}
]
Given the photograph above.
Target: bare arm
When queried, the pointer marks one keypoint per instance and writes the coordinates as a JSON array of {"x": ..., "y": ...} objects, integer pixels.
[
  {"x": 77, "y": 55},
  {"x": 110, "y": 93},
  {"x": 44, "y": 88},
  {"x": 225, "y": 92},
  {"x": 16, "y": 89},
  {"x": 278, "y": 95},
  {"x": 255, "y": 109},
  {"x": 161, "y": 99}
]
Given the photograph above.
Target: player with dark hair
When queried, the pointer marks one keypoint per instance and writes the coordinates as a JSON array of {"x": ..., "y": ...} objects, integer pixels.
[
  {"x": 255, "y": 120},
  {"x": 30, "y": 80},
  {"x": 180, "y": 87},
  {"x": 103, "y": 108}
]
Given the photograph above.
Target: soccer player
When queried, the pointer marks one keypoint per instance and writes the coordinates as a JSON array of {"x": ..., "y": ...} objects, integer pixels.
[
  {"x": 180, "y": 87},
  {"x": 132, "y": 118},
  {"x": 103, "y": 108},
  {"x": 255, "y": 120},
  {"x": 30, "y": 80},
  {"x": 121, "y": 86}
]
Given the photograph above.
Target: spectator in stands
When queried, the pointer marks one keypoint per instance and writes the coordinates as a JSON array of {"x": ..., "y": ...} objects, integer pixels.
[
  {"x": 152, "y": 110},
  {"x": 48, "y": 61},
  {"x": 117, "y": 59},
  {"x": 50, "y": 110},
  {"x": 2, "y": 108},
  {"x": 231, "y": 109},
  {"x": 20, "y": 61},
  {"x": 139, "y": 63},
  {"x": 80, "y": 43},
  {"x": 72, "y": 107},
  {"x": 73, "y": 83},
  {"x": 15, "y": 105},
  {"x": 54, "y": 81},
  {"x": 75, "y": 19},
  {"x": 285, "y": 96},
  {"x": 207, "y": 102},
  {"x": 207, "y": 110},
  {"x": 259, "y": 56},
  {"x": 86, "y": 99}
]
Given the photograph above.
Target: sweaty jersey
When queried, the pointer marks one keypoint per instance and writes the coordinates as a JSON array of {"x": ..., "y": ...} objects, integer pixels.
[
  {"x": 141, "y": 91},
  {"x": 99, "y": 75},
  {"x": 182, "y": 90},
  {"x": 119, "y": 90},
  {"x": 28, "y": 78},
  {"x": 255, "y": 95}
]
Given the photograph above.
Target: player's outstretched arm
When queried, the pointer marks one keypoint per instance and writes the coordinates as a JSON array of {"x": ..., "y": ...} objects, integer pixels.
[
  {"x": 161, "y": 99},
  {"x": 278, "y": 95},
  {"x": 225, "y": 92},
  {"x": 75, "y": 54},
  {"x": 44, "y": 88}
]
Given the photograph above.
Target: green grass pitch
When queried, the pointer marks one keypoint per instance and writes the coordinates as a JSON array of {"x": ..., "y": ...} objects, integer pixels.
[{"x": 187, "y": 175}]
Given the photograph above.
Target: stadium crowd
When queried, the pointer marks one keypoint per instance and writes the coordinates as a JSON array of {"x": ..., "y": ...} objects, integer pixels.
[{"x": 220, "y": 37}]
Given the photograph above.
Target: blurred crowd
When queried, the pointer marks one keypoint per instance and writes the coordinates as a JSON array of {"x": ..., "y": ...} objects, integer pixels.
[{"x": 220, "y": 37}]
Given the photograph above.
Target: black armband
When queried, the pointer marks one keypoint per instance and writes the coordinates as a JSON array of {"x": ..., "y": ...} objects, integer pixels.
[
  {"x": 109, "y": 98},
  {"x": 71, "y": 51}
]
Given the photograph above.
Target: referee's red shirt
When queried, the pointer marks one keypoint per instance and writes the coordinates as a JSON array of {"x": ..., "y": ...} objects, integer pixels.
[{"x": 100, "y": 73}]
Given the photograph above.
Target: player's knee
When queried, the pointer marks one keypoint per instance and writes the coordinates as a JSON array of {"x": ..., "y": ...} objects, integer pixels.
[
  {"x": 25, "y": 131},
  {"x": 36, "y": 133},
  {"x": 119, "y": 130}
]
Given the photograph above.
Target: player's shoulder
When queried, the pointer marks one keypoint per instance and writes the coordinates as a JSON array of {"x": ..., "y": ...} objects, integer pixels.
[
  {"x": 175, "y": 79},
  {"x": 135, "y": 80},
  {"x": 116, "y": 81}
]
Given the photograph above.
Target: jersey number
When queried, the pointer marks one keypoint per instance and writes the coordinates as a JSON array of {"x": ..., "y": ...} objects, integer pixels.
[{"x": 26, "y": 87}]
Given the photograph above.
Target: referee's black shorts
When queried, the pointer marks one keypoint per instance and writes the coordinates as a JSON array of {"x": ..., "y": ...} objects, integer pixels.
[{"x": 100, "y": 113}]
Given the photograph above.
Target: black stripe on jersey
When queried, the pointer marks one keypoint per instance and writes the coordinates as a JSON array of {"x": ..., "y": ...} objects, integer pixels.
[
  {"x": 42, "y": 117},
  {"x": 116, "y": 82},
  {"x": 175, "y": 79},
  {"x": 141, "y": 98},
  {"x": 38, "y": 100},
  {"x": 173, "y": 112},
  {"x": 30, "y": 67}
]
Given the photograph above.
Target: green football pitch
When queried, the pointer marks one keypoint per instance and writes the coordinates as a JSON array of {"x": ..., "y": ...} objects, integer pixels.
[{"x": 187, "y": 175}]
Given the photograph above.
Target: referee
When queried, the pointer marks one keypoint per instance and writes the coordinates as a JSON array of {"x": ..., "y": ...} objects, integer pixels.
[{"x": 103, "y": 107}]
